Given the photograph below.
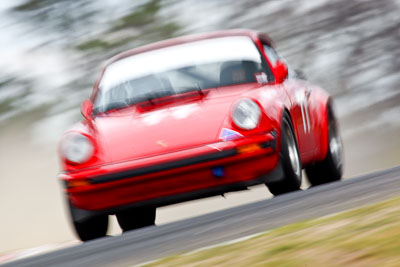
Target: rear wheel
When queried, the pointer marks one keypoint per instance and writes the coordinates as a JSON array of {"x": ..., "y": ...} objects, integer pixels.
[
  {"x": 331, "y": 168},
  {"x": 136, "y": 218},
  {"x": 90, "y": 228},
  {"x": 290, "y": 160}
]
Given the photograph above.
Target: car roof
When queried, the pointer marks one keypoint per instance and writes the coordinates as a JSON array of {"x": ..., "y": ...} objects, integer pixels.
[{"x": 254, "y": 35}]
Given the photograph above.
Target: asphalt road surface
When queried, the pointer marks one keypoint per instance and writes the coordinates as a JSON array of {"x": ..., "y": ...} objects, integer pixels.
[{"x": 183, "y": 236}]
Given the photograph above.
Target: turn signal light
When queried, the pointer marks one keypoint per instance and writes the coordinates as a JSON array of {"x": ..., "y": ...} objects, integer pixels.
[
  {"x": 248, "y": 148},
  {"x": 77, "y": 183}
]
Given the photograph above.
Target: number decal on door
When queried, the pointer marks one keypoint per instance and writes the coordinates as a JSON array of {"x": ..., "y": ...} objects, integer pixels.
[{"x": 304, "y": 111}]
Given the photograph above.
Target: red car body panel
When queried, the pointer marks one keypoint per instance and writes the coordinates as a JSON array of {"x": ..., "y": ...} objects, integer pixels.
[{"x": 140, "y": 151}]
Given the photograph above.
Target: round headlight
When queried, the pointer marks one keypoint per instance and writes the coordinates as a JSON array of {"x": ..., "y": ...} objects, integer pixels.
[
  {"x": 76, "y": 148},
  {"x": 246, "y": 114}
]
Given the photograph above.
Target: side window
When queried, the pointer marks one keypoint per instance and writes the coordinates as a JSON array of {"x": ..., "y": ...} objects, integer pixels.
[
  {"x": 266, "y": 68},
  {"x": 271, "y": 54}
]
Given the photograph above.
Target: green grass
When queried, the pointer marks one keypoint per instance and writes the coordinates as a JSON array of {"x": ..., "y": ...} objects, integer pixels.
[{"x": 368, "y": 236}]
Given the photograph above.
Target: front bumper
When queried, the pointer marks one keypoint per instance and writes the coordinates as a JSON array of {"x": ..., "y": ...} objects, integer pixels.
[{"x": 174, "y": 177}]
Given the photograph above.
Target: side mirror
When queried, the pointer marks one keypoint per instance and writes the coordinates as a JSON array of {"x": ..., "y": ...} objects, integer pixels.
[
  {"x": 280, "y": 71},
  {"x": 87, "y": 109}
]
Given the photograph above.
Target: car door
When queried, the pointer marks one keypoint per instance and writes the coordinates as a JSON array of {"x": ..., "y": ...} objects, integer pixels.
[{"x": 300, "y": 97}]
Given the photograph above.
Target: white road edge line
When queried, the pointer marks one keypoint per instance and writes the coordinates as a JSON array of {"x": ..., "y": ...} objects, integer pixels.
[{"x": 34, "y": 251}]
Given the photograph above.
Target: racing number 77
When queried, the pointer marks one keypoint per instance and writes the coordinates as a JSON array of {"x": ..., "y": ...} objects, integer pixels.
[{"x": 302, "y": 98}]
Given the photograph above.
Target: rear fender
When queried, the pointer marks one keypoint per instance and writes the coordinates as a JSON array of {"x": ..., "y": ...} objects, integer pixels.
[{"x": 322, "y": 136}]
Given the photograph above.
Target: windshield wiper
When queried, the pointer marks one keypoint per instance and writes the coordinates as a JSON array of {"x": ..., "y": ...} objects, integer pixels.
[
  {"x": 110, "y": 106},
  {"x": 196, "y": 88},
  {"x": 117, "y": 105},
  {"x": 150, "y": 96},
  {"x": 199, "y": 90}
]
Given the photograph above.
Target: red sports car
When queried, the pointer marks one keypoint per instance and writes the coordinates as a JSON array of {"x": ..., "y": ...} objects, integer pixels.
[{"x": 194, "y": 117}]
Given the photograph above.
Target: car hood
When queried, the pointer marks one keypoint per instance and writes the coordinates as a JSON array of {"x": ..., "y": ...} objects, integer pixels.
[{"x": 128, "y": 134}]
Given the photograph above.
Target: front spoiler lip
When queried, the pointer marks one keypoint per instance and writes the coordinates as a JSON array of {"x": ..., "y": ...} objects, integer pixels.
[{"x": 162, "y": 167}]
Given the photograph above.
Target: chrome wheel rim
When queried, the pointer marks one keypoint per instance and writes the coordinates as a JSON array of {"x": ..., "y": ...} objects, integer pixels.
[
  {"x": 293, "y": 152},
  {"x": 335, "y": 144}
]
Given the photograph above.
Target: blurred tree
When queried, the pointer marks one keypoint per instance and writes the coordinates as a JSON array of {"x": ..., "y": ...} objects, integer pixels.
[{"x": 62, "y": 19}]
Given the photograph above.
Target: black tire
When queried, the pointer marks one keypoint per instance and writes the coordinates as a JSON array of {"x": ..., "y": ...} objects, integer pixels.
[
  {"x": 290, "y": 161},
  {"x": 136, "y": 218},
  {"x": 91, "y": 227},
  {"x": 331, "y": 168}
]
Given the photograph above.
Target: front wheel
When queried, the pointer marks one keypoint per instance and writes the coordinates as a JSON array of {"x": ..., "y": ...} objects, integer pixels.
[
  {"x": 331, "y": 168},
  {"x": 290, "y": 160},
  {"x": 136, "y": 218},
  {"x": 89, "y": 228}
]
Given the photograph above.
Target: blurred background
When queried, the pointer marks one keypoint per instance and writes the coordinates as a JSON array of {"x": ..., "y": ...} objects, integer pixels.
[{"x": 51, "y": 52}]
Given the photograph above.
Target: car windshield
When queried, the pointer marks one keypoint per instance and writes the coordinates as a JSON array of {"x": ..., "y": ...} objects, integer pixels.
[{"x": 178, "y": 69}]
